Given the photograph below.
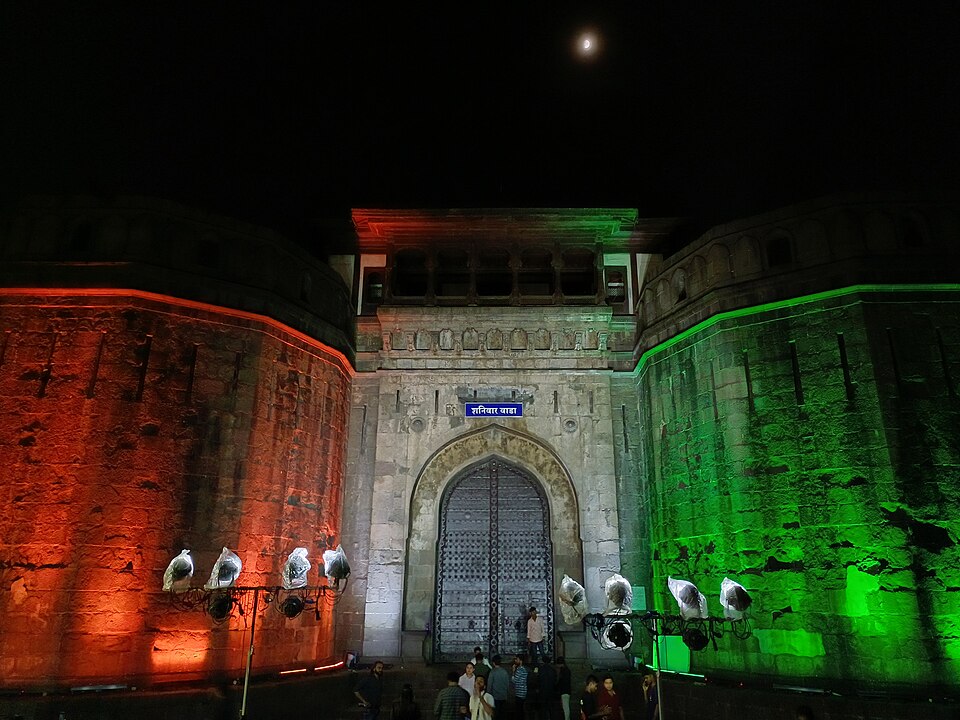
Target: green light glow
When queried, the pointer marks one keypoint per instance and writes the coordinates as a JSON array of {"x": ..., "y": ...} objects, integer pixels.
[
  {"x": 837, "y": 508},
  {"x": 790, "y": 642},
  {"x": 782, "y": 304},
  {"x": 860, "y": 586}
]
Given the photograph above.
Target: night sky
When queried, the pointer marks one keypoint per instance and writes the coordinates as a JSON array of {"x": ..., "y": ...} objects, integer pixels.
[{"x": 289, "y": 114}]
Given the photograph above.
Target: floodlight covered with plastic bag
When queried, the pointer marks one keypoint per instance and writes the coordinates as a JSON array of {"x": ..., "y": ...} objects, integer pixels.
[
  {"x": 617, "y": 635},
  {"x": 335, "y": 566},
  {"x": 225, "y": 571},
  {"x": 692, "y": 602},
  {"x": 619, "y": 595},
  {"x": 178, "y": 573},
  {"x": 573, "y": 601},
  {"x": 734, "y": 598},
  {"x": 295, "y": 569}
]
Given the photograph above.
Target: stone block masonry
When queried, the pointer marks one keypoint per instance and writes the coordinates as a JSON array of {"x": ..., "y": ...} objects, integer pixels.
[
  {"x": 134, "y": 425},
  {"x": 818, "y": 467}
]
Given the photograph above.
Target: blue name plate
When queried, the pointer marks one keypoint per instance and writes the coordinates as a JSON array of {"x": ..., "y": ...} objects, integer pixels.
[{"x": 494, "y": 410}]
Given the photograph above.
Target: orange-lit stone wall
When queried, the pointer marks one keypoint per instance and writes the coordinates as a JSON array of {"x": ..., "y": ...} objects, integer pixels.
[{"x": 132, "y": 426}]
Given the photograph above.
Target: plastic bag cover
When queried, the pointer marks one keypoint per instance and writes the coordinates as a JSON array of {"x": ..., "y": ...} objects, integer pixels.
[
  {"x": 692, "y": 602},
  {"x": 295, "y": 570},
  {"x": 573, "y": 601},
  {"x": 619, "y": 593},
  {"x": 225, "y": 571},
  {"x": 178, "y": 573}
]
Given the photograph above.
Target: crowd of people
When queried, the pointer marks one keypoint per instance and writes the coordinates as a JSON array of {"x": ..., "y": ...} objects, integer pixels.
[{"x": 488, "y": 690}]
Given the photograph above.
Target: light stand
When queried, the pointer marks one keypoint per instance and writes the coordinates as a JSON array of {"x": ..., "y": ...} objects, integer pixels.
[
  {"x": 657, "y": 624},
  {"x": 219, "y": 603},
  {"x": 246, "y": 676},
  {"x": 656, "y": 650}
]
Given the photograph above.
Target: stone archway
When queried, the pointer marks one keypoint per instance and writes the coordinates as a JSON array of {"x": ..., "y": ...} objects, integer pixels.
[
  {"x": 495, "y": 562},
  {"x": 492, "y": 441}
]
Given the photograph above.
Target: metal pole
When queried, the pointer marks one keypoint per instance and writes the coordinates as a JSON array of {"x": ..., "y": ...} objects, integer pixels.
[
  {"x": 246, "y": 678},
  {"x": 656, "y": 640}
]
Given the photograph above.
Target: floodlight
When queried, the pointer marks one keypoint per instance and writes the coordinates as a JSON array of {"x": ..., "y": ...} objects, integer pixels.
[
  {"x": 294, "y": 574},
  {"x": 573, "y": 600},
  {"x": 619, "y": 595},
  {"x": 692, "y": 602},
  {"x": 335, "y": 566},
  {"x": 178, "y": 573},
  {"x": 735, "y": 599},
  {"x": 219, "y": 606},
  {"x": 617, "y": 635},
  {"x": 225, "y": 571},
  {"x": 695, "y": 638},
  {"x": 291, "y": 606}
]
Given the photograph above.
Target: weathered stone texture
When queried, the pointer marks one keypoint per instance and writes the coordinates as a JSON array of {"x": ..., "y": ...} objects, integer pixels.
[
  {"x": 131, "y": 428},
  {"x": 421, "y": 440},
  {"x": 832, "y": 499}
]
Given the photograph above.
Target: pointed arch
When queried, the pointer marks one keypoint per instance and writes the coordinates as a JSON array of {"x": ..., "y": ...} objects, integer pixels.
[{"x": 523, "y": 451}]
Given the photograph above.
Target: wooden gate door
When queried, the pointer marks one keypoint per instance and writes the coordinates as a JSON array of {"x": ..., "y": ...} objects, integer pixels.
[{"x": 494, "y": 562}]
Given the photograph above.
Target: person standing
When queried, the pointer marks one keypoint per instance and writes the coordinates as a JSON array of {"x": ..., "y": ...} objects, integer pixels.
[
  {"x": 498, "y": 685},
  {"x": 547, "y": 699},
  {"x": 481, "y": 666},
  {"x": 563, "y": 686},
  {"x": 589, "y": 708},
  {"x": 532, "y": 703},
  {"x": 479, "y": 662},
  {"x": 452, "y": 701},
  {"x": 609, "y": 699},
  {"x": 651, "y": 695},
  {"x": 407, "y": 708},
  {"x": 519, "y": 682},
  {"x": 482, "y": 703},
  {"x": 370, "y": 692},
  {"x": 468, "y": 679},
  {"x": 535, "y": 636}
]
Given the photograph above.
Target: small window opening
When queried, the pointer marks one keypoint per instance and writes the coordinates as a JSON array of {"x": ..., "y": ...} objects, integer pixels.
[
  {"x": 778, "y": 252},
  {"x": 411, "y": 274},
  {"x": 578, "y": 277}
]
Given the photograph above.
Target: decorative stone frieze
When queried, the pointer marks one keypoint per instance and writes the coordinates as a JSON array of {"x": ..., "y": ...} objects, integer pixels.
[{"x": 519, "y": 337}]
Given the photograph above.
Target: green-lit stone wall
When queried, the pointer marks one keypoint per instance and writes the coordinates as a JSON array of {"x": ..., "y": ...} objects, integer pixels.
[
  {"x": 633, "y": 493},
  {"x": 811, "y": 451}
]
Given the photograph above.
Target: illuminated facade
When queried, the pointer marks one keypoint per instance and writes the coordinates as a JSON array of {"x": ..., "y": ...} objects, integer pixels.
[
  {"x": 157, "y": 394},
  {"x": 775, "y": 402}
]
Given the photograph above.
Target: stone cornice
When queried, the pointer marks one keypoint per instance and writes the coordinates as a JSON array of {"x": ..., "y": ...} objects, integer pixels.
[{"x": 617, "y": 229}]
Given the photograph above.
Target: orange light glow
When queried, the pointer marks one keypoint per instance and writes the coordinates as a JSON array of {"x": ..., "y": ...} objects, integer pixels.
[
  {"x": 343, "y": 365},
  {"x": 179, "y": 651}
]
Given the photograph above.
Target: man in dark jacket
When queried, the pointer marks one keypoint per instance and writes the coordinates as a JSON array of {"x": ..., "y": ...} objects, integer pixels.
[
  {"x": 548, "y": 689},
  {"x": 563, "y": 686},
  {"x": 370, "y": 691},
  {"x": 588, "y": 702}
]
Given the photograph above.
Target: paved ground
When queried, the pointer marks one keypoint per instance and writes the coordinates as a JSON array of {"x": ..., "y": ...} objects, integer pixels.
[
  {"x": 330, "y": 697},
  {"x": 327, "y": 697}
]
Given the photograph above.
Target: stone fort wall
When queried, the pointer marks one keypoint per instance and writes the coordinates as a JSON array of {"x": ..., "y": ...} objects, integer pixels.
[
  {"x": 797, "y": 431},
  {"x": 136, "y": 423}
]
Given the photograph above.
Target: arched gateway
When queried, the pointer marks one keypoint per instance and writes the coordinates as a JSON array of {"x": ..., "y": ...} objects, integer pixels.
[
  {"x": 494, "y": 562},
  {"x": 515, "y": 482}
]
